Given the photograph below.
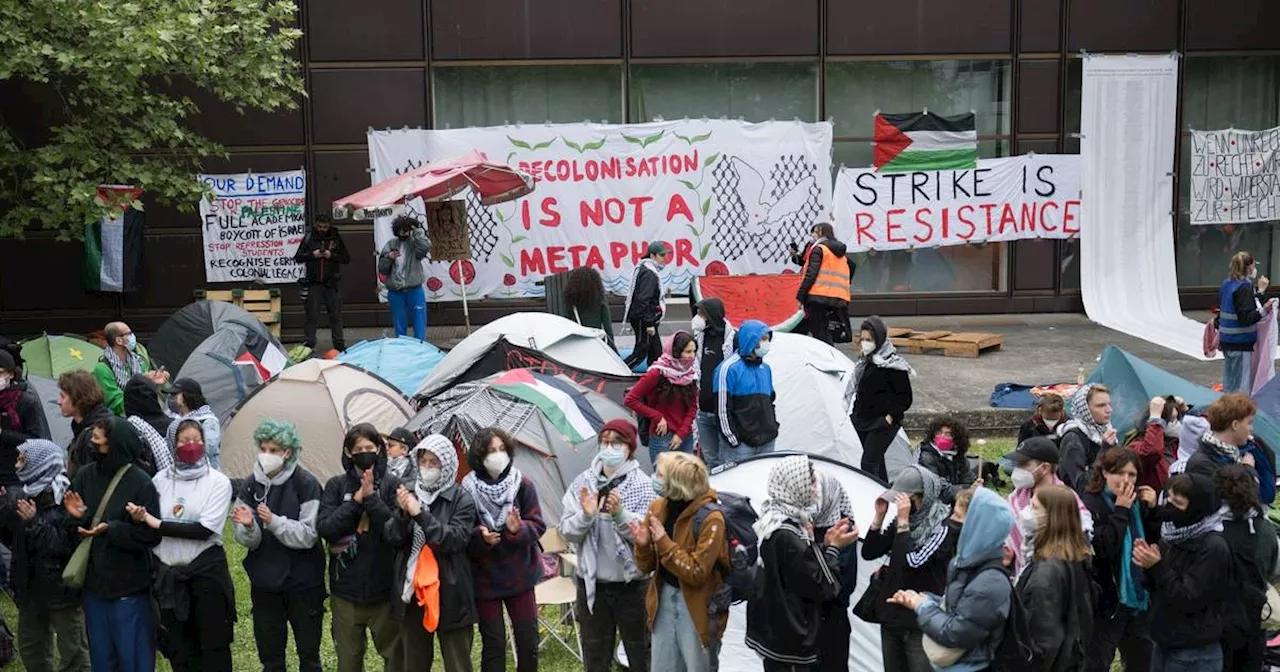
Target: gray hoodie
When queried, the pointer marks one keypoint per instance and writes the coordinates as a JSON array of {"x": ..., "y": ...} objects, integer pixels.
[{"x": 406, "y": 271}]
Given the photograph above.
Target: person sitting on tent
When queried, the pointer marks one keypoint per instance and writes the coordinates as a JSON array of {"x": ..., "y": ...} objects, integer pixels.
[
  {"x": 883, "y": 380},
  {"x": 1230, "y": 440},
  {"x": 1156, "y": 439},
  {"x": 824, "y": 285},
  {"x": 187, "y": 400},
  {"x": 945, "y": 452},
  {"x": 80, "y": 398},
  {"x": 400, "y": 261},
  {"x": 123, "y": 358},
  {"x": 646, "y": 305},
  {"x": 1044, "y": 422},
  {"x": 506, "y": 557},
  {"x": 193, "y": 582},
  {"x": 1034, "y": 464},
  {"x": 585, "y": 302},
  {"x": 400, "y": 444},
  {"x": 21, "y": 417},
  {"x": 433, "y": 518},
  {"x": 598, "y": 509},
  {"x": 744, "y": 392},
  {"x": 352, "y": 519},
  {"x": 323, "y": 253},
  {"x": 715, "y": 342},
  {"x": 1085, "y": 435},
  {"x": 274, "y": 516},
  {"x": 666, "y": 397}
]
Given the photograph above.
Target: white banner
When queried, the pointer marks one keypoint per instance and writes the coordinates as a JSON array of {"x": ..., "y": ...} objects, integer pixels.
[
  {"x": 1235, "y": 176},
  {"x": 253, "y": 225},
  {"x": 726, "y": 196},
  {"x": 1031, "y": 196}
]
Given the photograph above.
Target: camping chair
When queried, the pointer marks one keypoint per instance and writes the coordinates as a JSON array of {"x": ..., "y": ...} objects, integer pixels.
[{"x": 559, "y": 590}]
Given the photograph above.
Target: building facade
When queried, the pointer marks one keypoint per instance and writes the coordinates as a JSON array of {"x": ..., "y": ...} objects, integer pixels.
[{"x": 455, "y": 63}]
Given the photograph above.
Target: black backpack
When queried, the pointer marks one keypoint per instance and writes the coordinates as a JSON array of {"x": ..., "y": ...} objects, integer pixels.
[
  {"x": 1016, "y": 652},
  {"x": 744, "y": 549}
]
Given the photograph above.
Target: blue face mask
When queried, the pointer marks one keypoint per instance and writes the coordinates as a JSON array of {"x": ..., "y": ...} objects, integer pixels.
[
  {"x": 659, "y": 486},
  {"x": 612, "y": 454},
  {"x": 131, "y": 342}
]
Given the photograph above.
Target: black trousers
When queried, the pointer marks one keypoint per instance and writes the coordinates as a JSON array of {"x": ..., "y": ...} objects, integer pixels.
[
  {"x": 274, "y": 613},
  {"x": 817, "y": 322},
  {"x": 876, "y": 439},
  {"x": 202, "y": 643},
  {"x": 1246, "y": 658},
  {"x": 648, "y": 348},
  {"x": 618, "y": 610},
  {"x": 1125, "y": 630},
  {"x": 327, "y": 294},
  {"x": 833, "y": 638}
]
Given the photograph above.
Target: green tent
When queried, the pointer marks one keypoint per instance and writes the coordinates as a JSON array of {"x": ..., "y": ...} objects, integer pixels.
[{"x": 51, "y": 355}]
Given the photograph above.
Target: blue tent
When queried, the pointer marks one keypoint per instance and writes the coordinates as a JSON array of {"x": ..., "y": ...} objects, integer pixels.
[
  {"x": 404, "y": 362},
  {"x": 1133, "y": 382}
]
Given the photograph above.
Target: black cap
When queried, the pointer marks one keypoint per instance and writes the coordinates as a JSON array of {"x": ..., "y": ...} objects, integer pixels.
[
  {"x": 7, "y": 362},
  {"x": 1038, "y": 448},
  {"x": 187, "y": 386},
  {"x": 403, "y": 436}
]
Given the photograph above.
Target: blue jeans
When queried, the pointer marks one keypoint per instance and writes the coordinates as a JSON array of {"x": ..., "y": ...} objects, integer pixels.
[
  {"x": 408, "y": 304},
  {"x": 709, "y": 440},
  {"x": 676, "y": 646},
  {"x": 729, "y": 453},
  {"x": 661, "y": 444},
  {"x": 1200, "y": 659},
  {"x": 1237, "y": 371},
  {"x": 120, "y": 634}
]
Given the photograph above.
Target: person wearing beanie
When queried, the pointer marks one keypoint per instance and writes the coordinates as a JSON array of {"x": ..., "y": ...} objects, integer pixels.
[
  {"x": 400, "y": 443},
  {"x": 599, "y": 507},
  {"x": 883, "y": 382},
  {"x": 21, "y": 417},
  {"x": 645, "y": 305},
  {"x": 187, "y": 400}
]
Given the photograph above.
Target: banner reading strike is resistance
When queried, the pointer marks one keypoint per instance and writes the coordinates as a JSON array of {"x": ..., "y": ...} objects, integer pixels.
[{"x": 1014, "y": 198}]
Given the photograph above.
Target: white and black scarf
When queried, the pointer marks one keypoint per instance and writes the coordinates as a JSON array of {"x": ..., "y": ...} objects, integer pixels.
[
  {"x": 885, "y": 357},
  {"x": 1082, "y": 417},
  {"x": 636, "y": 492},
  {"x": 442, "y": 448},
  {"x": 123, "y": 370},
  {"x": 494, "y": 500},
  {"x": 790, "y": 496}
]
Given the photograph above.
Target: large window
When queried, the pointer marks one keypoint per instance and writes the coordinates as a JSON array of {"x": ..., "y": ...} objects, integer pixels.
[
  {"x": 1222, "y": 92},
  {"x": 855, "y": 90},
  {"x": 531, "y": 94},
  {"x": 751, "y": 91}
]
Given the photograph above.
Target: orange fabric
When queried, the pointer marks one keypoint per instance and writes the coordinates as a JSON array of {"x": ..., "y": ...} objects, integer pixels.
[
  {"x": 768, "y": 298},
  {"x": 833, "y": 275},
  {"x": 426, "y": 587}
]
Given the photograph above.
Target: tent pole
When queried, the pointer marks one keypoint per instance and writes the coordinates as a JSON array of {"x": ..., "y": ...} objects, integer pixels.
[{"x": 466, "y": 313}]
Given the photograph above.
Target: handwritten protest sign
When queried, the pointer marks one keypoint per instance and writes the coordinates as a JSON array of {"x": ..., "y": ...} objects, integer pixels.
[
  {"x": 252, "y": 226},
  {"x": 726, "y": 196},
  {"x": 1014, "y": 198},
  {"x": 447, "y": 229},
  {"x": 1235, "y": 176}
]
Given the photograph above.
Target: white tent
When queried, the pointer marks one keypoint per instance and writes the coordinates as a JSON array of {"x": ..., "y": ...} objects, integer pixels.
[
  {"x": 751, "y": 478},
  {"x": 561, "y": 339},
  {"x": 811, "y": 379},
  {"x": 324, "y": 398}
]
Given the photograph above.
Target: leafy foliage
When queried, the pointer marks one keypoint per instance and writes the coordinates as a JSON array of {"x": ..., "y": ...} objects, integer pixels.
[{"x": 112, "y": 66}]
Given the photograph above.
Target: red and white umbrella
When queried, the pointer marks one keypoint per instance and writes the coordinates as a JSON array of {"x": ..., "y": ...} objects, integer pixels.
[{"x": 440, "y": 181}]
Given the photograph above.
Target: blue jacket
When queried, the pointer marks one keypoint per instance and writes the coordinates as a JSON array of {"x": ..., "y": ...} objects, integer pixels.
[
  {"x": 1238, "y": 317},
  {"x": 744, "y": 391},
  {"x": 979, "y": 591}
]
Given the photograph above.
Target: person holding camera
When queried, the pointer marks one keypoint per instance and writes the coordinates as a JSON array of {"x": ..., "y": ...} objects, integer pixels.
[
  {"x": 323, "y": 253},
  {"x": 400, "y": 262}
]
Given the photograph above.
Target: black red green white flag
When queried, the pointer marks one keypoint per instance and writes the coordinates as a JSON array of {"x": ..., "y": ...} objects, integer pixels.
[
  {"x": 113, "y": 246},
  {"x": 923, "y": 141}
]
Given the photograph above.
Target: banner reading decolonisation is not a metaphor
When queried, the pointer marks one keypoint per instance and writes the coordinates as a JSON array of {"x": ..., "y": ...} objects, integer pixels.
[
  {"x": 1014, "y": 198},
  {"x": 726, "y": 196}
]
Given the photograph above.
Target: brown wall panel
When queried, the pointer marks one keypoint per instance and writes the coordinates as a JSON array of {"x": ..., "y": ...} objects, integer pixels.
[
  {"x": 60, "y": 284},
  {"x": 1039, "y": 145},
  {"x": 1034, "y": 265},
  {"x": 347, "y": 102},
  {"x": 220, "y": 122},
  {"x": 177, "y": 269},
  {"x": 1041, "y": 25},
  {"x": 921, "y": 26},
  {"x": 1037, "y": 97},
  {"x": 341, "y": 30},
  {"x": 1123, "y": 25},
  {"x": 338, "y": 174},
  {"x": 724, "y": 28},
  {"x": 1233, "y": 24},
  {"x": 491, "y": 29}
]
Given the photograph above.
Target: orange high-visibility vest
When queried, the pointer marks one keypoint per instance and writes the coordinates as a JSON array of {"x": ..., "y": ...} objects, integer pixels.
[{"x": 833, "y": 275}]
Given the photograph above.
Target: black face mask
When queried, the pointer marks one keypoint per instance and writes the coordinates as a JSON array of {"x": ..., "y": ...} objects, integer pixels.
[
  {"x": 364, "y": 461},
  {"x": 1176, "y": 516}
]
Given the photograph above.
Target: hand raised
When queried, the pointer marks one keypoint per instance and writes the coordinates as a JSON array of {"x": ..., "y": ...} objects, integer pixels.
[
  {"x": 513, "y": 521},
  {"x": 265, "y": 514},
  {"x": 74, "y": 505},
  {"x": 589, "y": 502},
  {"x": 241, "y": 515},
  {"x": 903, "y": 501},
  {"x": 656, "y": 530},
  {"x": 99, "y": 529},
  {"x": 640, "y": 532},
  {"x": 26, "y": 509},
  {"x": 1126, "y": 496}
]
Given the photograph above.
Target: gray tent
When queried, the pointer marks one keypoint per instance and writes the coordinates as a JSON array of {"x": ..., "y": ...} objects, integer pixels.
[
  {"x": 59, "y": 425},
  {"x": 233, "y": 361},
  {"x": 515, "y": 401}
]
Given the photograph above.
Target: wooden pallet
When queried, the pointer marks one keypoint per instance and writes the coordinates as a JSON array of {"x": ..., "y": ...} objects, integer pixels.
[
  {"x": 948, "y": 343},
  {"x": 263, "y": 304}
]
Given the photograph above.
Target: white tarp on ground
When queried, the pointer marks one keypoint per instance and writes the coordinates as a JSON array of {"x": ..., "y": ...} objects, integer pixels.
[
  {"x": 811, "y": 379},
  {"x": 1128, "y": 277},
  {"x": 751, "y": 479}
]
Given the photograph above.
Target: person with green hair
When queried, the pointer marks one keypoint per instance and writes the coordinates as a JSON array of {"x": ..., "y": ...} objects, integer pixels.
[{"x": 275, "y": 518}]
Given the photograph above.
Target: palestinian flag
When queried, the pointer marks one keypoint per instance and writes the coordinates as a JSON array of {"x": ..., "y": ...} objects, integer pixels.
[
  {"x": 113, "y": 246},
  {"x": 923, "y": 141},
  {"x": 561, "y": 403}
]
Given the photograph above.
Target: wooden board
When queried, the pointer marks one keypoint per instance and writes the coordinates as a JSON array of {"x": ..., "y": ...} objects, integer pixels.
[
  {"x": 263, "y": 304},
  {"x": 946, "y": 343}
]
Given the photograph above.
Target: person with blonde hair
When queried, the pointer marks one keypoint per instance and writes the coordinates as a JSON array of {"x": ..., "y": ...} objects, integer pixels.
[
  {"x": 1056, "y": 583},
  {"x": 683, "y": 559},
  {"x": 1239, "y": 312}
]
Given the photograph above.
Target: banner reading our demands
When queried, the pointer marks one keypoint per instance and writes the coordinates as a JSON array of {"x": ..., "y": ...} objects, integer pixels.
[
  {"x": 726, "y": 196},
  {"x": 1014, "y": 198},
  {"x": 1235, "y": 176},
  {"x": 252, "y": 226}
]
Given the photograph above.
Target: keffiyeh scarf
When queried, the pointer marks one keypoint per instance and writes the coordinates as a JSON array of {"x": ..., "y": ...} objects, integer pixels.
[
  {"x": 790, "y": 495},
  {"x": 833, "y": 501},
  {"x": 442, "y": 448},
  {"x": 885, "y": 357},
  {"x": 494, "y": 500},
  {"x": 123, "y": 370},
  {"x": 43, "y": 468},
  {"x": 932, "y": 511},
  {"x": 1179, "y": 535},
  {"x": 1221, "y": 447},
  {"x": 677, "y": 371},
  {"x": 1082, "y": 418},
  {"x": 635, "y": 491},
  {"x": 161, "y": 453}
]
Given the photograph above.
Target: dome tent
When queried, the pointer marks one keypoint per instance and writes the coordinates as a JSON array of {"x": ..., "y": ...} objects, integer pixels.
[
  {"x": 553, "y": 420},
  {"x": 323, "y": 398},
  {"x": 404, "y": 361},
  {"x": 186, "y": 329},
  {"x": 812, "y": 381},
  {"x": 232, "y": 362}
]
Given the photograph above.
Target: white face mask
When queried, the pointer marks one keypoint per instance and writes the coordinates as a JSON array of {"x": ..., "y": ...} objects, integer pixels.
[
  {"x": 1051, "y": 423},
  {"x": 270, "y": 463},
  {"x": 762, "y": 349},
  {"x": 496, "y": 463},
  {"x": 698, "y": 325},
  {"x": 1253, "y": 272},
  {"x": 1174, "y": 429},
  {"x": 429, "y": 477},
  {"x": 1023, "y": 478},
  {"x": 867, "y": 347}
]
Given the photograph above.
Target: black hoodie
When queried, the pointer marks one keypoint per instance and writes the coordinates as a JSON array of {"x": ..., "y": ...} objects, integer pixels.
[
  {"x": 1191, "y": 585},
  {"x": 142, "y": 398},
  {"x": 811, "y": 272},
  {"x": 711, "y": 347},
  {"x": 120, "y": 561},
  {"x": 321, "y": 271},
  {"x": 881, "y": 391},
  {"x": 362, "y": 571}
]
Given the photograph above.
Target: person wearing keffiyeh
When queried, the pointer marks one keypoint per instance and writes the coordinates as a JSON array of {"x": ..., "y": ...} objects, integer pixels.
[
  {"x": 833, "y": 635},
  {"x": 882, "y": 382},
  {"x": 667, "y": 396},
  {"x": 123, "y": 358},
  {"x": 599, "y": 507},
  {"x": 433, "y": 518},
  {"x": 1085, "y": 435}
]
